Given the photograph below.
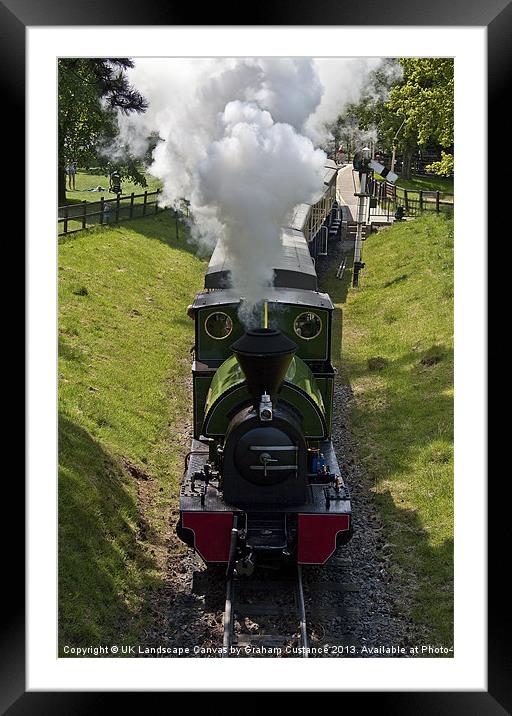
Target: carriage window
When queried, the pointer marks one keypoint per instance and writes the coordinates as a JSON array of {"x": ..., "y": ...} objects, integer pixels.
[
  {"x": 218, "y": 325},
  {"x": 307, "y": 325}
]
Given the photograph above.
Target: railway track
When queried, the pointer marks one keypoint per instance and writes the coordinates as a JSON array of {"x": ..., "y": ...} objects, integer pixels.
[
  {"x": 240, "y": 592},
  {"x": 282, "y": 604}
]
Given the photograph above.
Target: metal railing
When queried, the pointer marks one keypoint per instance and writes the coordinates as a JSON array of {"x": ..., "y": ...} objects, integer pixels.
[{"x": 387, "y": 197}]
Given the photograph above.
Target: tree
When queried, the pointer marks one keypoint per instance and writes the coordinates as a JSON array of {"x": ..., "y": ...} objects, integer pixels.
[
  {"x": 410, "y": 108},
  {"x": 369, "y": 118},
  {"x": 444, "y": 167},
  {"x": 91, "y": 92},
  {"x": 425, "y": 102}
]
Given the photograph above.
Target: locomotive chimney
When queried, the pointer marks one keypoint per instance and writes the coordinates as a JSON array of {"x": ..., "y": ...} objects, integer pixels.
[{"x": 264, "y": 355}]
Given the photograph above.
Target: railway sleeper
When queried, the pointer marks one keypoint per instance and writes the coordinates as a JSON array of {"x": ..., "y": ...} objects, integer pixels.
[{"x": 332, "y": 587}]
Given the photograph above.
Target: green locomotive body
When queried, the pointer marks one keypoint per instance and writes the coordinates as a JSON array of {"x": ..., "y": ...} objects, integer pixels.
[
  {"x": 218, "y": 380},
  {"x": 262, "y": 453}
]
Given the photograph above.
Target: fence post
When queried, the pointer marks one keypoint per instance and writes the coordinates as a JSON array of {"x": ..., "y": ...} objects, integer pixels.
[
  {"x": 84, "y": 220},
  {"x": 145, "y": 203},
  {"x": 177, "y": 225},
  {"x": 117, "y": 208},
  {"x": 131, "y": 205},
  {"x": 421, "y": 200},
  {"x": 66, "y": 219},
  {"x": 406, "y": 200},
  {"x": 156, "y": 202},
  {"x": 102, "y": 209},
  {"x": 437, "y": 201}
]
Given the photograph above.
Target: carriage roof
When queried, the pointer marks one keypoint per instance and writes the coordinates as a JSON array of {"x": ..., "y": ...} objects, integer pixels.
[{"x": 293, "y": 265}]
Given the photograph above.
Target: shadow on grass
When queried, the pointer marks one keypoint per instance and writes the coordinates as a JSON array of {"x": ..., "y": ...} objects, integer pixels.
[
  {"x": 337, "y": 289},
  {"x": 162, "y": 227},
  {"x": 104, "y": 570},
  {"x": 68, "y": 352},
  {"x": 404, "y": 416},
  {"x": 426, "y": 570}
]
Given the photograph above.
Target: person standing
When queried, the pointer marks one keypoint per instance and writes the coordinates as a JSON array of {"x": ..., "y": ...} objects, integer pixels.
[
  {"x": 71, "y": 172},
  {"x": 115, "y": 183}
]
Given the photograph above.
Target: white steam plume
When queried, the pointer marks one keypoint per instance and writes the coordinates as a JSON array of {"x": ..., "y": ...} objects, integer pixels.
[
  {"x": 254, "y": 176},
  {"x": 239, "y": 144},
  {"x": 343, "y": 81}
]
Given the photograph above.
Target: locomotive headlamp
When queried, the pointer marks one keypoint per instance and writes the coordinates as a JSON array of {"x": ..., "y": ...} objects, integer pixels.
[{"x": 265, "y": 410}]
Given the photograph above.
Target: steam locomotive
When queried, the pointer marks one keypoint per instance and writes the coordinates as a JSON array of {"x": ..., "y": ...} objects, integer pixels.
[{"x": 262, "y": 480}]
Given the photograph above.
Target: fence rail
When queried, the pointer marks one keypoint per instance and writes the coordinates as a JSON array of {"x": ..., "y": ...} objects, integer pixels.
[
  {"x": 76, "y": 217},
  {"x": 418, "y": 165},
  {"x": 414, "y": 201}
]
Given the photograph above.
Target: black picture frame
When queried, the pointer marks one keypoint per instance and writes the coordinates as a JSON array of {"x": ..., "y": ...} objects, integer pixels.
[{"x": 15, "y": 16}]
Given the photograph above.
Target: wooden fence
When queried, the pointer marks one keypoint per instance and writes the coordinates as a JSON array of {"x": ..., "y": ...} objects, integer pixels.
[
  {"x": 418, "y": 166},
  {"x": 414, "y": 201},
  {"x": 76, "y": 217}
]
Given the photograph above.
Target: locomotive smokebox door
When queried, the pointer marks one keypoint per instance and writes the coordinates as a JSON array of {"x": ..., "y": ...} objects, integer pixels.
[
  {"x": 265, "y": 463},
  {"x": 265, "y": 455}
]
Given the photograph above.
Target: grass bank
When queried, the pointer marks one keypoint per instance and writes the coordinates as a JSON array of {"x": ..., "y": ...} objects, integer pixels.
[
  {"x": 90, "y": 179},
  {"x": 424, "y": 183},
  {"x": 124, "y": 403},
  {"x": 397, "y": 354}
]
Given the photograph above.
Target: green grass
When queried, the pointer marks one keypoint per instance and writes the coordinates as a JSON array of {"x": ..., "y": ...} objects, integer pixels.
[
  {"x": 124, "y": 364},
  {"x": 124, "y": 368},
  {"x": 397, "y": 354},
  {"x": 90, "y": 179},
  {"x": 425, "y": 183},
  {"x": 428, "y": 183}
]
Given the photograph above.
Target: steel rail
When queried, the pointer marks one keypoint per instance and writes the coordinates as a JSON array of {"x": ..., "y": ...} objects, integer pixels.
[
  {"x": 231, "y": 608},
  {"x": 302, "y": 614}
]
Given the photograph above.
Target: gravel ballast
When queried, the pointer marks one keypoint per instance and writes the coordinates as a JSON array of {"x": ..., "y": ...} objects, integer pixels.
[{"x": 187, "y": 613}]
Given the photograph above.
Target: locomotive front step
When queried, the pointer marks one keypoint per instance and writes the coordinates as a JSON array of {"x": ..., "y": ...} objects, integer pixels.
[
  {"x": 266, "y": 539},
  {"x": 266, "y": 534}
]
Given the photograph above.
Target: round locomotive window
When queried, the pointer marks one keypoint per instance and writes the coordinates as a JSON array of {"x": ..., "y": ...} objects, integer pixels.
[
  {"x": 218, "y": 325},
  {"x": 307, "y": 325}
]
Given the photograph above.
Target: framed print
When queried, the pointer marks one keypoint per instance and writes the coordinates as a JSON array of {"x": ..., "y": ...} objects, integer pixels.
[{"x": 53, "y": 657}]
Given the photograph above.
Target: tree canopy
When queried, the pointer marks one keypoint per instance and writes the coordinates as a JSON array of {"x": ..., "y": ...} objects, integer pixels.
[
  {"x": 425, "y": 99},
  {"x": 91, "y": 93},
  {"x": 412, "y": 108}
]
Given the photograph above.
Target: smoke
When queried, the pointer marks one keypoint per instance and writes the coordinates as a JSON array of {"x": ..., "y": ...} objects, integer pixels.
[
  {"x": 353, "y": 138},
  {"x": 253, "y": 177},
  {"x": 239, "y": 144},
  {"x": 373, "y": 79},
  {"x": 344, "y": 81}
]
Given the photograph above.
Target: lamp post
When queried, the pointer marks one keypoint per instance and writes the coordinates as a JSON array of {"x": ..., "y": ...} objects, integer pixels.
[
  {"x": 362, "y": 194},
  {"x": 394, "y": 146}
]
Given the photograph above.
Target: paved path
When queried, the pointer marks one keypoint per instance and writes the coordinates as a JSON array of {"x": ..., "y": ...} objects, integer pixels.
[
  {"x": 348, "y": 183},
  {"x": 345, "y": 191}
]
